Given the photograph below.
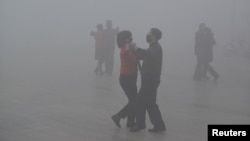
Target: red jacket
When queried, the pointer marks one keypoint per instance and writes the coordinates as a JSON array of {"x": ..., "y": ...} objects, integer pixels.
[
  {"x": 99, "y": 39},
  {"x": 128, "y": 62}
]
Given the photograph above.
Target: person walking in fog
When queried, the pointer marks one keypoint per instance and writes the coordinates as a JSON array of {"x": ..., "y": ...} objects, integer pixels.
[
  {"x": 150, "y": 80},
  {"x": 204, "y": 42},
  {"x": 99, "y": 48},
  {"x": 110, "y": 36},
  {"x": 128, "y": 78}
]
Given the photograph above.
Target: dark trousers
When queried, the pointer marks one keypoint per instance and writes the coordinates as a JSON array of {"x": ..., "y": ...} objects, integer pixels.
[
  {"x": 128, "y": 84},
  {"x": 99, "y": 66},
  {"x": 146, "y": 101},
  {"x": 202, "y": 67},
  {"x": 109, "y": 64},
  {"x": 210, "y": 69}
]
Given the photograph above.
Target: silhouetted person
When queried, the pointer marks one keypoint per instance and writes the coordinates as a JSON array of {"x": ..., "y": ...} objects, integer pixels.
[
  {"x": 110, "y": 36},
  {"x": 150, "y": 80},
  {"x": 204, "y": 42},
  {"x": 128, "y": 78},
  {"x": 99, "y": 48}
]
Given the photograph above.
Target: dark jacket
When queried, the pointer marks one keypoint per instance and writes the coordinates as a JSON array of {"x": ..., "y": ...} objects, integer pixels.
[
  {"x": 152, "y": 61},
  {"x": 110, "y": 38},
  {"x": 204, "y": 43}
]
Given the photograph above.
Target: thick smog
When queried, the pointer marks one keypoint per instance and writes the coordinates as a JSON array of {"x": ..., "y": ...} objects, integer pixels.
[{"x": 123, "y": 70}]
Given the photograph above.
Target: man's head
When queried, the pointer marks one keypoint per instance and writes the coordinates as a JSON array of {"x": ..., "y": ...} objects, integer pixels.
[
  {"x": 109, "y": 24},
  {"x": 202, "y": 27},
  {"x": 154, "y": 35}
]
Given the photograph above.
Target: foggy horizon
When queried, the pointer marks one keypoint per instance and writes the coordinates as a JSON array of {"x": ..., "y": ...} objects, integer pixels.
[{"x": 47, "y": 66}]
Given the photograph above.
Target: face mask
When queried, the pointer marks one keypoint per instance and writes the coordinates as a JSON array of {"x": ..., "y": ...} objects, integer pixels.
[
  {"x": 148, "y": 38},
  {"x": 129, "y": 40}
]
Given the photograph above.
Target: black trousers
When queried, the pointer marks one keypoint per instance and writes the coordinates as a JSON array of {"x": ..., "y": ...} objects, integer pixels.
[
  {"x": 202, "y": 67},
  {"x": 109, "y": 64},
  {"x": 210, "y": 69},
  {"x": 128, "y": 84},
  {"x": 146, "y": 101}
]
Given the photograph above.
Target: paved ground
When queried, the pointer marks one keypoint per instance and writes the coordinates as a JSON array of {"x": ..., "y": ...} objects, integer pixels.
[{"x": 68, "y": 103}]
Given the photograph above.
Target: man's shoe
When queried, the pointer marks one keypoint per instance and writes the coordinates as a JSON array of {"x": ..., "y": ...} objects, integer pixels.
[
  {"x": 206, "y": 77},
  {"x": 116, "y": 120},
  {"x": 155, "y": 130},
  {"x": 136, "y": 129},
  {"x": 216, "y": 77}
]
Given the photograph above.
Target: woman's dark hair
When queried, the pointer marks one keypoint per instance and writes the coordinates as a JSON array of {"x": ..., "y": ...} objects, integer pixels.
[
  {"x": 99, "y": 26},
  {"x": 156, "y": 32},
  {"x": 122, "y": 37}
]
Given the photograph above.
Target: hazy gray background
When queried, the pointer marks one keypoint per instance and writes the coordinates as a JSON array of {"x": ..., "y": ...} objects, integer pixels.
[
  {"x": 54, "y": 34},
  {"x": 47, "y": 83}
]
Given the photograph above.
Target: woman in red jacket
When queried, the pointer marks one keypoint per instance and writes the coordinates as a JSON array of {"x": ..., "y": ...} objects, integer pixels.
[{"x": 128, "y": 78}]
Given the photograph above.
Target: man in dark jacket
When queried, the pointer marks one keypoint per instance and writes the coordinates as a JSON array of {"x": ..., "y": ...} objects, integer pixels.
[
  {"x": 150, "y": 80},
  {"x": 110, "y": 37},
  {"x": 204, "y": 42}
]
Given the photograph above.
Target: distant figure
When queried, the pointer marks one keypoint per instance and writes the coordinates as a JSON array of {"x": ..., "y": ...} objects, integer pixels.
[
  {"x": 99, "y": 48},
  {"x": 150, "y": 80},
  {"x": 110, "y": 36},
  {"x": 204, "y": 42},
  {"x": 128, "y": 78}
]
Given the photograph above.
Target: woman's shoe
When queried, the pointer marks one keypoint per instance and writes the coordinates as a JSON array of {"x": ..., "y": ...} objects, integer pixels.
[
  {"x": 155, "y": 130},
  {"x": 116, "y": 120},
  {"x": 130, "y": 125}
]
